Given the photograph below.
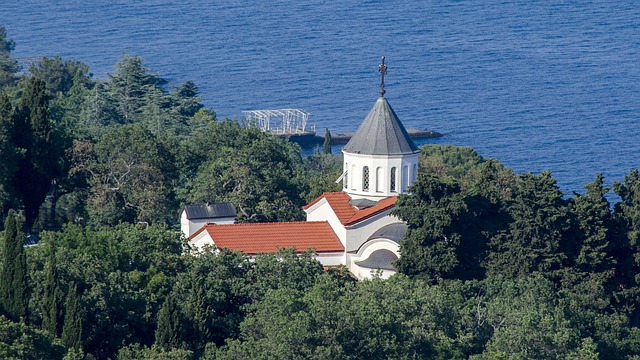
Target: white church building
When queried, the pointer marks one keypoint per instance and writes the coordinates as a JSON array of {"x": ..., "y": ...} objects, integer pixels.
[{"x": 354, "y": 227}]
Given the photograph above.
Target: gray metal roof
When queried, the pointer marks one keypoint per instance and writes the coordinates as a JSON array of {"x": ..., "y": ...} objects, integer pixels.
[
  {"x": 381, "y": 133},
  {"x": 393, "y": 232},
  {"x": 379, "y": 259},
  {"x": 208, "y": 211},
  {"x": 362, "y": 203}
]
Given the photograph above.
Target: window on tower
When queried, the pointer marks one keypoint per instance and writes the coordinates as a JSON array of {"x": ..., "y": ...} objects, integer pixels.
[
  {"x": 405, "y": 178},
  {"x": 346, "y": 177},
  {"x": 365, "y": 178},
  {"x": 392, "y": 181}
]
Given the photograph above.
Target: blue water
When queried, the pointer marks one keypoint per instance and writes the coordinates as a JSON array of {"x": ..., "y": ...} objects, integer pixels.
[{"x": 539, "y": 85}]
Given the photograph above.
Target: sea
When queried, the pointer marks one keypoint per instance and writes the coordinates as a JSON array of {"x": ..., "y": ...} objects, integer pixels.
[{"x": 539, "y": 85}]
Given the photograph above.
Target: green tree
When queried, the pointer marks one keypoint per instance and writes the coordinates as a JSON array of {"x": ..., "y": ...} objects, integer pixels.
[
  {"x": 72, "y": 328},
  {"x": 19, "y": 341},
  {"x": 59, "y": 75},
  {"x": 523, "y": 319},
  {"x": 130, "y": 87},
  {"x": 255, "y": 171},
  {"x": 35, "y": 136},
  {"x": 8, "y": 154},
  {"x": 433, "y": 211},
  {"x": 318, "y": 174},
  {"x": 51, "y": 311},
  {"x": 536, "y": 235},
  {"x": 593, "y": 215},
  {"x": 14, "y": 289},
  {"x": 326, "y": 146},
  {"x": 627, "y": 244},
  {"x": 169, "y": 327},
  {"x": 8, "y": 65},
  {"x": 199, "y": 333},
  {"x": 129, "y": 172}
]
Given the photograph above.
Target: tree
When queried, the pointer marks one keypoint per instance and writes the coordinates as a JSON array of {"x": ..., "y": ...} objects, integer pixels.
[
  {"x": 130, "y": 86},
  {"x": 72, "y": 328},
  {"x": 14, "y": 291},
  {"x": 627, "y": 243},
  {"x": 8, "y": 154},
  {"x": 326, "y": 146},
  {"x": 433, "y": 210},
  {"x": 168, "y": 330},
  {"x": 51, "y": 311},
  {"x": 593, "y": 214},
  {"x": 59, "y": 75},
  {"x": 199, "y": 333},
  {"x": 128, "y": 172},
  {"x": 8, "y": 65},
  {"x": 536, "y": 234},
  {"x": 19, "y": 341},
  {"x": 34, "y": 134},
  {"x": 523, "y": 319},
  {"x": 255, "y": 171}
]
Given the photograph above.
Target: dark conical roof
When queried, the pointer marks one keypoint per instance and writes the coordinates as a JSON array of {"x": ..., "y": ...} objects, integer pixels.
[{"x": 381, "y": 133}]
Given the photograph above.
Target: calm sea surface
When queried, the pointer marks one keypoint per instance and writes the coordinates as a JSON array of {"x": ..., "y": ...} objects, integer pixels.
[{"x": 539, "y": 85}]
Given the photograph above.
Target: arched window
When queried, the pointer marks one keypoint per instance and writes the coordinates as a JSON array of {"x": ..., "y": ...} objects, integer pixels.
[
  {"x": 405, "y": 178},
  {"x": 378, "y": 179},
  {"x": 392, "y": 180},
  {"x": 365, "y": 178},
  {"x": 353, "y": 177},
  {"x": 346, "y": 177},
  {"x": 414, "y": 175}
]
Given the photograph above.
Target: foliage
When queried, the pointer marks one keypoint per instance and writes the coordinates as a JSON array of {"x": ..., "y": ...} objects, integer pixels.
[
  {"x": 128, "y": 172},
  {"x": 169, "y": 325},
  {"x": 14, "y": 291},
  {"x": 52, "y": 300},
  {"x": 9, "y": 155},
  {"x": 255, "y": 171},
  {"x": 19, "y": 341},
  {"x": 72, "y": 329},
  {"x": 36, "y": 139},
  {"x": 326, "y": 146},
  {"x": 434, "y": 213},
  {"x": 8, "y": 65}
]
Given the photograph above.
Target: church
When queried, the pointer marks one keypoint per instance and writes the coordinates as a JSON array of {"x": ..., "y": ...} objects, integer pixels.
[{"x": 353, "y": 227}]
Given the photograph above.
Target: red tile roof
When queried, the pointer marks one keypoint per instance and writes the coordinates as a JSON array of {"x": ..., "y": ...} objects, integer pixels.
[
  {"x": 254, "y": 238},
  {"x": 349, "y": 214}
]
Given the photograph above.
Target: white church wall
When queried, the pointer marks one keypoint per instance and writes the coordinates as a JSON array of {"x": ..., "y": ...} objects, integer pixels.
[
  {"x": 189, "y": 227},
  {"x": 358, "y": 234},
  {"x": 322, "y": 211},
  {"x": 378, "y": 188},
  {"x": 365, "y": 251}
]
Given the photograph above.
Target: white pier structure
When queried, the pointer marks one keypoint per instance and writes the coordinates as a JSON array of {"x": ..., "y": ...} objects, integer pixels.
[{"x": 279, "y": 122}]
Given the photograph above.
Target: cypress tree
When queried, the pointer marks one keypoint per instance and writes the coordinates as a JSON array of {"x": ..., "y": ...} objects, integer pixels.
[
  {"x": 197, "y": 313},
  {"x": 327, "y": 142},
  {"x": 34, "y": 135},
  {"x": 13, "y": 285},
  {"x": 52, "y": 294},
  {"x": 8, "y": 154},
  {"x": 167, "y": 332},
  {"x": 72, "y": 328}
]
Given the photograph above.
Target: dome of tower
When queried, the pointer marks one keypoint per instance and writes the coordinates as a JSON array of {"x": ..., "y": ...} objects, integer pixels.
[{"x": 381, "y": 133}]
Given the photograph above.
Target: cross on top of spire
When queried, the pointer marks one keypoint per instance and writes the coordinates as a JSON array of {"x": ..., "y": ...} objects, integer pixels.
[{"x": 382, "y": 68}]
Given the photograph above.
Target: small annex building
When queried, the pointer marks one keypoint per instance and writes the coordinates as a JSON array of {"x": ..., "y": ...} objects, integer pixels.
[
  {"x": 194, "y": 217},
  {"x": 354, "y": 227}
]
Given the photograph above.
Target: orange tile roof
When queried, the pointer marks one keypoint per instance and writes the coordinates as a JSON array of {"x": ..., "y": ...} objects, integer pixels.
[
  {"x": 349, "y": 214},
  {"x": 254, "y": 238}
]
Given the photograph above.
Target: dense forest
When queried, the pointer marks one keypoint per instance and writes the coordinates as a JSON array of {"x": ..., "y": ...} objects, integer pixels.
[{"x": 495, "y": 264}]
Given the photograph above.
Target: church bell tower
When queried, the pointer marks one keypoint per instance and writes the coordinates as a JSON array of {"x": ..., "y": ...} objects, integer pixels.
[{"x": 380, "y": 160}]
